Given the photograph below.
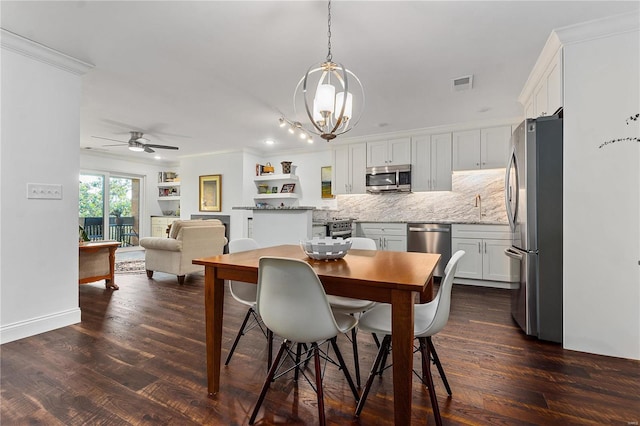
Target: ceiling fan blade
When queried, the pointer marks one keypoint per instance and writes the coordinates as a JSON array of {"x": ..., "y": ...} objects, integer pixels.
[
  {"x": 161, "y": 146},
  {"x": 147, "y": 149},
  {"x": 120, "y": 145},
  {"x": 108, "y": 139}
]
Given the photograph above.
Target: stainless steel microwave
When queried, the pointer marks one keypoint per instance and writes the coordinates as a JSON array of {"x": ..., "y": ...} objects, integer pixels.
[{"x": 389, "y": 179}]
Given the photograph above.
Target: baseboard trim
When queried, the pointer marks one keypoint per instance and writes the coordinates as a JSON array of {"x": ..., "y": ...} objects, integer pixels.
[
  {"x": 33, "y": 326},
  {"x": 483, "y": 283}
]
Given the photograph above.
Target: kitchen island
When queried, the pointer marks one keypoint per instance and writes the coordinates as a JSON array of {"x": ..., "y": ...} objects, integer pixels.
[{"x": 276, "y": 226}]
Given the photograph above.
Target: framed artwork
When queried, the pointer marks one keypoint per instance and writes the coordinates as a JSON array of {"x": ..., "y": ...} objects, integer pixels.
[
  {"x": 288, "y": 187},
  {"x": 325, "y": 182},
  {"x": 210, "y": 193}
]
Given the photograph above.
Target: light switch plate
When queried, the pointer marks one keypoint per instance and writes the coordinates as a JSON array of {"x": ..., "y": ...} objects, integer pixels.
[{"x": 46, "y": 191}]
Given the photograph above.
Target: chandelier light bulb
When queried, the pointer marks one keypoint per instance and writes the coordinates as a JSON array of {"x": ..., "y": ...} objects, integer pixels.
[
  {"x": 325, "y": 98},
  {"x": 348, "y": 108}
]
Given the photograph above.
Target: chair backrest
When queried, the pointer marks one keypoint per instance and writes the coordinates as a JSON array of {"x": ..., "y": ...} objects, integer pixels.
[
  {"x": 242, "y": 244},
  {"x": 241, "y": 291},
  {"x": 362, "y": 243},
  {"x": 292, "y": 301},
  {"x": 442, "y": 299}
]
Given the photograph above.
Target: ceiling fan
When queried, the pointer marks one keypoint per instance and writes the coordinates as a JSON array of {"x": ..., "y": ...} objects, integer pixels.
[{"x": 138, "y": 143}]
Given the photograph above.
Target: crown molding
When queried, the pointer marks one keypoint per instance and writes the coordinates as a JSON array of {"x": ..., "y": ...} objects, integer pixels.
[
  {"x": 577, "y": 33},
  {"x": 42, "y": 53},
  {"x": 599, "y": 28}
]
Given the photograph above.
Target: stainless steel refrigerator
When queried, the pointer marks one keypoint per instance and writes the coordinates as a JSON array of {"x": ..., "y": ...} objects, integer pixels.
[{"x": 533, "y": 197}]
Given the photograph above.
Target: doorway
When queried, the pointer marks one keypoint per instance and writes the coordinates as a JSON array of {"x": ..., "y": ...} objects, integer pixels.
[{"x": 115, "y": 216}]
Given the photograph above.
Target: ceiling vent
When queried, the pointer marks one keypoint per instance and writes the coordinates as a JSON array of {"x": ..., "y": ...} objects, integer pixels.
[{"x": 463, "y": 83}]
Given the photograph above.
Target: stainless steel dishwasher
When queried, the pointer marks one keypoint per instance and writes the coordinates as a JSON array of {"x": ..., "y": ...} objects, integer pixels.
[{"x": 431, "y": 238}]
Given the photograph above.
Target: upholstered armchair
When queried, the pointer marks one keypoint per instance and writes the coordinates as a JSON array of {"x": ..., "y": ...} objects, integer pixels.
[{"x": 188, "y": 240}]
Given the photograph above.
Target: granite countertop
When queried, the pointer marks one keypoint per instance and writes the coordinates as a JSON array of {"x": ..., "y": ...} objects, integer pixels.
[
  {"x": 442, "y": 222},
  {"x": 274, "y": 208}
]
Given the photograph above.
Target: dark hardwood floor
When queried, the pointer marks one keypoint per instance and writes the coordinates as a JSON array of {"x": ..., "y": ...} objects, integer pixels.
[{"x": 138, "y": 357}]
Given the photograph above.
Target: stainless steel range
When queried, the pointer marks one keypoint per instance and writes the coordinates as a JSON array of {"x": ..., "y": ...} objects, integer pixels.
[{"x": 339, "y": 227}]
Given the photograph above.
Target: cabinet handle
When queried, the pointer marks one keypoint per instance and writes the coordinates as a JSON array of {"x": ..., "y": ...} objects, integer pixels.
[
  {"x": 479, "y": 248},
  {"x": 477, "y": 164},
  {"x": 485, "y": 246}
]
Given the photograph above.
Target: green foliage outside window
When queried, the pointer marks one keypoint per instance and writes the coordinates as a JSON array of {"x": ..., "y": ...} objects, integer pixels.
[{"x": 91, "y": 196}]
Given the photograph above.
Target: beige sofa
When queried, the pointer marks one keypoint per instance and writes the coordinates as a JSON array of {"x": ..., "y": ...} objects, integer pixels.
[{"x": 188, "y": 240}]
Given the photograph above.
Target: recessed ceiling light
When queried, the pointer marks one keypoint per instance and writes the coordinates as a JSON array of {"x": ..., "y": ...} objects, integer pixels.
[
  {"x": 157, "y": 157},
  {"x": 269, "y": 141}
]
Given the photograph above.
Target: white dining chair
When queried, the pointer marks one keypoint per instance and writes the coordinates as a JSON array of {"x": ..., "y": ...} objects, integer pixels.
[
  {"x": 347, "y": 305},
  {"x": 293, "y": 304},
  {"x": 429, "y": 319},
  {"x": 245, "y": 293}
]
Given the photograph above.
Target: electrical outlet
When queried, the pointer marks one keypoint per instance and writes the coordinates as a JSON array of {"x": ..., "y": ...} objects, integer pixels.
[{"x": 44, "y": 191}]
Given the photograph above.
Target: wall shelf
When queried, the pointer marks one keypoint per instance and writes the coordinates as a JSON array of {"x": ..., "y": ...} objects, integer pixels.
[{"x": 276, "y": 195}]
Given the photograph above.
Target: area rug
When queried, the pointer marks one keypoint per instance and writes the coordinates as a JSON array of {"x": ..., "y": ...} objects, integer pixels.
[{"x": 130, "y": 267}]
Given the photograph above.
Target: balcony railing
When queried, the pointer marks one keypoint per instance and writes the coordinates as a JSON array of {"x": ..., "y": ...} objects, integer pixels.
[{"x": 120, "y": 229}]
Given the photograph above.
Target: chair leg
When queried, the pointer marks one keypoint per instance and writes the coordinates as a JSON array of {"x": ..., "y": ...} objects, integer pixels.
[
  {"x": 424, "y": 348},
  {"x": 319, "y": 391},
  {"x": 383, "y": 364},
  {"x": 181, "y": 279},
  {"x": 436, "y": 360},
  {"x": 356, "y": 362},
  {"x": 240, "y": 334},
  {"x": 267, "y": 382},
  {"x": 343, "y": 366},
  {"x": 375, "y": 339},
  {"x": 269, "y": 348},
  {"x": 374, "y": 369},
  {"x": 149, "y": 274},
  {"x": 296, "y": 373}
]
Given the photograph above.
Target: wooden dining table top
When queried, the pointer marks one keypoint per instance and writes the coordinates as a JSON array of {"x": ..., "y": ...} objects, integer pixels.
[{"x": 383, "y": 269}]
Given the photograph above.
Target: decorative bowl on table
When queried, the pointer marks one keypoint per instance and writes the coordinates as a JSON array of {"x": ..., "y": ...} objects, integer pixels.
[{"x": 326, "y": 248}]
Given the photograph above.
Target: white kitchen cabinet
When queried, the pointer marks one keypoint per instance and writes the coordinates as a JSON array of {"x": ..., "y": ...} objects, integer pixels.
[
  {"x": 481, "y": 149},
  {"x": 543, "y": 92},
  {"x": 389, "y": 153},
  {"x": 484, "y": 247},
  {"x": 349, "y": 169},
  {"x": 159, "y": 225},
  {"x": 388, "y": 236},
  {"x": 431, "y": 163}
]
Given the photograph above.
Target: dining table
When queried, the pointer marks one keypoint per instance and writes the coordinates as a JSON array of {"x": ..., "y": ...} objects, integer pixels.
[{"x": 398, "y": 278}]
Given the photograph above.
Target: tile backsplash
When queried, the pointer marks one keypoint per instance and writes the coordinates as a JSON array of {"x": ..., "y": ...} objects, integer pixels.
[{"x": 457, "y": 205}]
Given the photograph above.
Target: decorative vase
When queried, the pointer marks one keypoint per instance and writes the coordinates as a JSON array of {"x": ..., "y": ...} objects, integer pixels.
[{"x": 286, "y": 167}]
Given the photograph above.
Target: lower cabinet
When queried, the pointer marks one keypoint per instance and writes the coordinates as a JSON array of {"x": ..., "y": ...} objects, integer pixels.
[
  {"x": 159, "y": 225},
  {"x": 484, "y": 247},
  {"x": 388, "y": 236}
]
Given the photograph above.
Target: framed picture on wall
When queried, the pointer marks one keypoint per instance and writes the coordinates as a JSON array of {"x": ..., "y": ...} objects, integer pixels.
[
  {"x": 325, "y": 182},
  {"x": 210, "y": 193}
]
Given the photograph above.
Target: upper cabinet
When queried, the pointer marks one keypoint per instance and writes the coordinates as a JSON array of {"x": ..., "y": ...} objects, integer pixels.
[
  {"x": 431, "y": 165},
  {"x": 349, "y": 169},
  {"x": 389, "y": 153},
  {"x": 543, "y": 92},
  {"x": 481, "y": 149}
]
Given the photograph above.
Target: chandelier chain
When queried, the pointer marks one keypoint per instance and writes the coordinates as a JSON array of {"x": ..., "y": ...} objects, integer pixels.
[{"x": 329, "y": 57}]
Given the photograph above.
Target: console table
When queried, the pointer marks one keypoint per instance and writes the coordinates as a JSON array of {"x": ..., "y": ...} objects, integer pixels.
[{"x": 97, "y": 262}]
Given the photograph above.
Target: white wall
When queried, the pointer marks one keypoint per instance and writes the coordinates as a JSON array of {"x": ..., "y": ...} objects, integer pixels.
[
  {"x": 602, "y": 196},
  {"x": 146, "y": 170},
  {"x": 40, "y": 138},
  {"x": 231, "y": 167}
]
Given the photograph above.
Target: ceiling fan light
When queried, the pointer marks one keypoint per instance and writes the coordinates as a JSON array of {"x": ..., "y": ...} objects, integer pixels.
[{"x": 136, "y": 148}]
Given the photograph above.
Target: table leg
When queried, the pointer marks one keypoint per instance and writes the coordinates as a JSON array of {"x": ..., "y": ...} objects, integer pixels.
[
  {"x": 110, "y": 282},
  {"x": 402, "y": 341},
  {"x": 213, "y": 306}
]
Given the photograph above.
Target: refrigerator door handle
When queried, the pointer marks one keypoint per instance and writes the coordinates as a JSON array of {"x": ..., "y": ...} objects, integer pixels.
[
  {"x": 508, "y": 193},
  {"x": 513, "y": 254}
]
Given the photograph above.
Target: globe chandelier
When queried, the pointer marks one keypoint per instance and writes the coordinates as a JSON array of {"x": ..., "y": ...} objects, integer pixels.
[{"x": 338, "y": 96}]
